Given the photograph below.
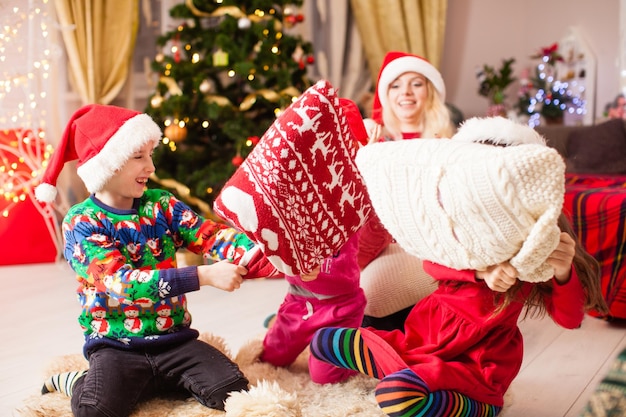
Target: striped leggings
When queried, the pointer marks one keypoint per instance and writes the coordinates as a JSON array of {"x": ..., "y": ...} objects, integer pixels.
[{"x": 400, "y": 394}]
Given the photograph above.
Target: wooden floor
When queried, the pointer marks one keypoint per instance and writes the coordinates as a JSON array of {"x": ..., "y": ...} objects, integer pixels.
[{"x": 560, "y": 370}]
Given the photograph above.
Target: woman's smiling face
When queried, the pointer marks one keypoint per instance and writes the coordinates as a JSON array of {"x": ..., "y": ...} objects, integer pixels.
[{"x": 407, "y": 96}]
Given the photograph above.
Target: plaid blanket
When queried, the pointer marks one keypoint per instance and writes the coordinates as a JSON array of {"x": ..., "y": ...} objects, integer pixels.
[{"x": 596, "y": 206}]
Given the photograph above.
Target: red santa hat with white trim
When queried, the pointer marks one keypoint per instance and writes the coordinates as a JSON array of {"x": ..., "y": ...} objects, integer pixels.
[
  {"x": 395, "y": 64},
  {"x": 102, "y": 138}
]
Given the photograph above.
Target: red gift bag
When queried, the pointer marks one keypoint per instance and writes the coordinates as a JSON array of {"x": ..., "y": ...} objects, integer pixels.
[{"x": 26, "y": 235}]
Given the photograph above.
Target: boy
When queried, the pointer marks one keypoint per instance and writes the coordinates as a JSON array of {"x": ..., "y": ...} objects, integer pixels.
[{"x": 121, "y": 241}]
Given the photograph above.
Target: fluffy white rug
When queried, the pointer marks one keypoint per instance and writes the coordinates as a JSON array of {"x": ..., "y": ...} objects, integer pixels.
[{"x": 274, "y": 392}]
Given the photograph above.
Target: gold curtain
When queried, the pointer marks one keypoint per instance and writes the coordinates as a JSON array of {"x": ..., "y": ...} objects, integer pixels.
[
  {"x": 414, "y": 26},
  {"x": 99, "y": 37}
]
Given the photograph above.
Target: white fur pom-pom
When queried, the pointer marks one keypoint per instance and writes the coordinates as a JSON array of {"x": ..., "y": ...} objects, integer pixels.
[
  {"x": 45, "y": 193},
  {"x": 498, "y": 131}
]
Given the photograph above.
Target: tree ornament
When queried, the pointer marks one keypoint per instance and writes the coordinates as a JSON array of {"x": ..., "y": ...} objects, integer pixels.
[
  {"x": 176, "y": 49},
  {"x": 156, "y": 101},
  {"x": 176, "y": 133},
  {"x": 254, "y": 140},
  {"x": 205, "y": 86},
  {"x": 237, "y": 160},
  {"x": 310, "y": 59},
  {"x": 220, "y": 58},
  {"x": 298, "y": 53},
  {"x": 244, "y": 23},
  {"x": 290, "y": 21}
]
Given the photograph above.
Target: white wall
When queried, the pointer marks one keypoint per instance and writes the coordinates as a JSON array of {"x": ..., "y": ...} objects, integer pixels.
[{"x": 486, "y": 31}]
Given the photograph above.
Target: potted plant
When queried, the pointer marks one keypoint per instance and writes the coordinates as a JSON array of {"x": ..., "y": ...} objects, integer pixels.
[{"x": 493, "y": 84}]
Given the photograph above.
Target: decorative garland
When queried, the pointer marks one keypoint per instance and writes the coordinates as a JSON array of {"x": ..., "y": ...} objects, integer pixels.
[{"x": 233, "y": 11}]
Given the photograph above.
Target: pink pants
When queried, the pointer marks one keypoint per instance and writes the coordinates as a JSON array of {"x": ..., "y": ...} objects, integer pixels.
[{"x": 297, "y": 320}]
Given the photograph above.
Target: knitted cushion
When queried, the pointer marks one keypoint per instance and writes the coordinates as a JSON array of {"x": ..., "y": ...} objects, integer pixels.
[
  {"x": 299, "y": 194},
  {"x": 466, "y": 205},
  {"x": 394, "y": 281}
]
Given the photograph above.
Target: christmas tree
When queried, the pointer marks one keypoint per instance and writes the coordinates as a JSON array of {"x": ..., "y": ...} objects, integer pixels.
[
  {"x": 550, "y": 92},
  {"x": 225, "y": 72}
]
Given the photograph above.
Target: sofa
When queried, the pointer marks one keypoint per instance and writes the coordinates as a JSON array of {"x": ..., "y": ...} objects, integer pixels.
[{"x": 595, "y": 198}]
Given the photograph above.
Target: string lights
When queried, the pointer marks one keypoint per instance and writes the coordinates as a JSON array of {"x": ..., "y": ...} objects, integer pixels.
[{"x": 26, "y": 53}]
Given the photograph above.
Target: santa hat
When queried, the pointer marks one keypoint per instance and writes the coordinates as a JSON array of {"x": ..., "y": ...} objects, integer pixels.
[
  {"x": 354, "y": 120},
  {"x": 396, "y": 64},
  {"x": 498, "y": 131},
  {"x": 466, "y": 205},
  {"x": 102, "y": 138}
]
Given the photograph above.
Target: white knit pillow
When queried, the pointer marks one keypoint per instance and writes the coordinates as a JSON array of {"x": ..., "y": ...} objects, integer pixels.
[{"x": 467, "y": 205}]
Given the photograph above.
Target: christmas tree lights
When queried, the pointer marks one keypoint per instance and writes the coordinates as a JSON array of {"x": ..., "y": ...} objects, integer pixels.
[
  {"x": 224, "y": 73},
  {"x": 551, "y": 92}
]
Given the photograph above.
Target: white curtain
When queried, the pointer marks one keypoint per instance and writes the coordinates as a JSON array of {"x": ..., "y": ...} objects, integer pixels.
[{"x": 338, "y": 50}]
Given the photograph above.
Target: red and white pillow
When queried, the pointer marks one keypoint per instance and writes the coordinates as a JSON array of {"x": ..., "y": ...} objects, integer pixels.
[{"x": 299, "y": 194}]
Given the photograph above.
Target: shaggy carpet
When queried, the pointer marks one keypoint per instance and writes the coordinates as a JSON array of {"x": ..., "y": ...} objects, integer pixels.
[{"x": 274, "y": 392}]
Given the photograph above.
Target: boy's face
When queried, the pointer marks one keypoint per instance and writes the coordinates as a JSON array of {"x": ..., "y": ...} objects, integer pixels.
[{"x": 129, "y": 181}]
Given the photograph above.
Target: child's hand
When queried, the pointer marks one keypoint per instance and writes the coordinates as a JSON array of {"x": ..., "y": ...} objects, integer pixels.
[
  {"x": 499, "y": 277},
  {"x": 562, "y": 257},
  {"x": 311, "y": 275},
  {"x": 222, "y": 275}
]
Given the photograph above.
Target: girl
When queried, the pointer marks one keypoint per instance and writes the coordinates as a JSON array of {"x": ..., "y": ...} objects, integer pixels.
[
  {"x": 328, "y": 296},
  {"x": 461, "y": 347}
]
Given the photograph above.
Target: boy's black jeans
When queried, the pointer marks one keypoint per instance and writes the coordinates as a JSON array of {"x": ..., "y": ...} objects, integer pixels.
[{"x": 118, "y": 380}]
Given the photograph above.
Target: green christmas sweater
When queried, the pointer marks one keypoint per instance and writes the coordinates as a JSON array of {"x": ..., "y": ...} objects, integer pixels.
[{"x": 131, "y": 292}]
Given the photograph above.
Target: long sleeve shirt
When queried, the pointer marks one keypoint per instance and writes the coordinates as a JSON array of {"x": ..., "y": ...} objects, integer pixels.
[{"x": 131, "y": 292}]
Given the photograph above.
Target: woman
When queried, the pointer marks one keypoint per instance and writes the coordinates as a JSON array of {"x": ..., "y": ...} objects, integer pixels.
[{"x": 409, "y": 103}]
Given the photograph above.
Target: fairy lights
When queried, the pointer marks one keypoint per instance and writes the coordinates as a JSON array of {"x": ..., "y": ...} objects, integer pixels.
[{"x": 27, "y": 53}]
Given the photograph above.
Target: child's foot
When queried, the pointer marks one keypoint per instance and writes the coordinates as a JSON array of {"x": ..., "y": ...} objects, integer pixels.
[{"x": 63, "y": 383}]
